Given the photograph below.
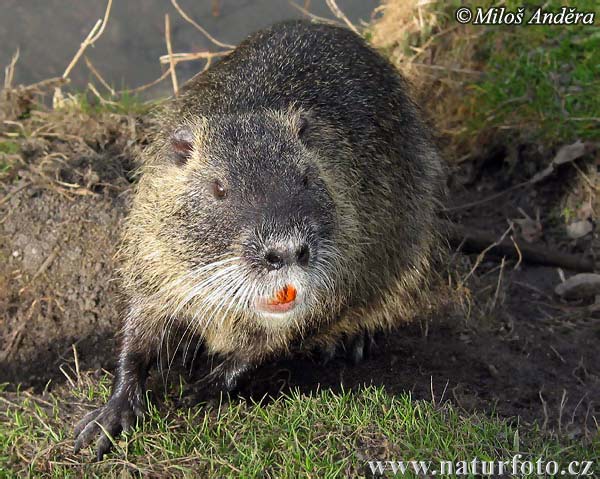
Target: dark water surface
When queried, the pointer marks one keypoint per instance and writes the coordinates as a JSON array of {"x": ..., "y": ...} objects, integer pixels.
[{"x": 49, "y": 32}]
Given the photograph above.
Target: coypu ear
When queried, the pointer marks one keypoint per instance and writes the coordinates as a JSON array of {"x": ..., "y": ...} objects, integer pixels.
[
  {"x": 182, "y": 144},
  {"x": 302, "y": 125}
]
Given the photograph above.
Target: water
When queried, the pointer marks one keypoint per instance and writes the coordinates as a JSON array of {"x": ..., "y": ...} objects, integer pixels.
[{"x": 49, "y": 32}]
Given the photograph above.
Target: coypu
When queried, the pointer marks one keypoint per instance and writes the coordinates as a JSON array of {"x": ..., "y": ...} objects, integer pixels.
[{"x": 288, "y": 201}]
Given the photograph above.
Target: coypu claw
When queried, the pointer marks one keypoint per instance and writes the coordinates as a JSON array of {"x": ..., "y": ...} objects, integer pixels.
[
  {"x": 356, "y": 348},
  {"x": 234, "y": 376},
  {"x": 359, "y": 347},
  {"x": 230, "y": 375},
  {"x": 327, "y": 353},
  {"x": 106, "y": 423}
]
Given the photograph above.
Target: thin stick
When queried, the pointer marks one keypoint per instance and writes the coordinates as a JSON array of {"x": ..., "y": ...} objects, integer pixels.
[
  {"x": 497, "y": 292},
  {"x": 483, "y": 253},
  {"x": 9, "y": 195},
  {"x": 9, "y": 71},
  {"x": 310, "y": 15},
  {"x": 489, "y": 198},
  {"x": 170, "y": 51},
  {"x": 582, "y": 118},
  {"x": 103, "y": 100},
  {"x": 47, "y": 83},
  {"x": 187, "y": 18},
  {"x": 76, "y": 358},
  {"x": 446, "y": 68},
  {"x": 94, "y": 35},
  {"x": 339, "y": 14},
  {"x": 519, "y": 261},
  {"x": 96, "y": 73},
  {"x": 474, "y": 241},
  {"x": 188, "y": 57},
  {"x": 45, "y": 265},
  {"x": 148, "y": 85}
]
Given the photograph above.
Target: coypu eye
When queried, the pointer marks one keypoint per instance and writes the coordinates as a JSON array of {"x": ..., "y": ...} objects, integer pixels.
[
  {"x": 182, "y": 143},
  {"x": 308, "y": 177},
  {"x": 218, "y": 190},
  {"x": 306, "y": 180}
]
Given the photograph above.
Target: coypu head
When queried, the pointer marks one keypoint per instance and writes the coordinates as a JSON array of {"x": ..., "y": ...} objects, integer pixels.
[{"x": 243, "y": 212}]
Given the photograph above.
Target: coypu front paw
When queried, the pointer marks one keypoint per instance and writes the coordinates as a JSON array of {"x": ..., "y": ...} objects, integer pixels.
[
  {"x": 359, "y": 347},
  {"x": 355, "y": 348},
  {"x": 116, "y": 416}
]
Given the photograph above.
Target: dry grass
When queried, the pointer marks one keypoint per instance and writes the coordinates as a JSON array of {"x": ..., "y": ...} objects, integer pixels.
[
  {"x": 437, "y": 55},
  {"x": 485, "y": 84}
]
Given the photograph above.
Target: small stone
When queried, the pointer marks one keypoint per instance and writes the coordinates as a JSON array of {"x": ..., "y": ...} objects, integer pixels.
[
  {"x": 579, "y": 229},
  {"x": 580, "y": 286}
]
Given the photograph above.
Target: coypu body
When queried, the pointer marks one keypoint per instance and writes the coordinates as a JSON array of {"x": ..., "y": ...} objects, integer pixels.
[{"x": 287, "y": 203}]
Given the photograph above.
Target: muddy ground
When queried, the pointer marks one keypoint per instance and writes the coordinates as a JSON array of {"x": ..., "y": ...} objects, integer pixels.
[{"x": 519, "y": 351}]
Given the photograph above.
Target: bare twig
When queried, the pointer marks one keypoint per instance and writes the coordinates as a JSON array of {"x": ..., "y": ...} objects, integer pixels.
[
  {"x": 47, "y": 83},
  {"x": 545, "y": 409},
  {"x": 103, "y": 100},
  {"x": 9, "y": 71},
  {"x": 13, "y": 192},
  {"x": 475, "y": 241},
  {"x": 94, "y": 35},
  {"x": 499, "y": 283},
  {"x": 585, "y": 177},
  {"x": 16, "y": 335},
  {"x": 170, "y": 52},
  {"x": 489, "y": 198},
  {"x": 483, "y": 253},
  {"x": 520, "y": 259},
  {"x": 339, "y": 14},
  {"x": 312, "y": 16},
  {"x": 187, "y": 18},
  {"x": 558, "y": 355},
  {"x": 447, "y": 68},
  {"x": 175, "y": 58},
  {"x": 96, "y": 73},
  {"x": 582, "y": 118},
  {"x": 563, "y": 403},
  {"x": 76, "y": 359},
  {"x": 148, "y": 85},
  {"x": 44, "y": 266}
]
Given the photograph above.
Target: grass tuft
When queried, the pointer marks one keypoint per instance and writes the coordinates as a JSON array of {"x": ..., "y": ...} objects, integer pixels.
[
  {"x": 324, "y": 434},
  {"x": 534, "y": 83}
]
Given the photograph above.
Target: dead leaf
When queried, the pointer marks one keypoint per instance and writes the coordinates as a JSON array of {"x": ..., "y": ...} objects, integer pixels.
[
  {"x": 580, "y": 286},
  {"x": 531, "y": 229},
  {"x": 569, "y": 153},
  {"x": 579, "y": 229},
  {"x": 565, "y": 154},
  {"x": 586, "y": 210}
]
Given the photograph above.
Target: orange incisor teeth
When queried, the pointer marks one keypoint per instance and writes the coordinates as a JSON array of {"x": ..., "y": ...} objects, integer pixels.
[{"x": 287, "y": 294}]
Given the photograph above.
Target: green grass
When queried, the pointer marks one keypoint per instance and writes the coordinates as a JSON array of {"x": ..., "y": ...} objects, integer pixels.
[
  {"x": 7, "y": 148},
  {"x": 124, "y": 104},
  {"x": 540, "y": 80},
  {"x": 324, "y": 435}
]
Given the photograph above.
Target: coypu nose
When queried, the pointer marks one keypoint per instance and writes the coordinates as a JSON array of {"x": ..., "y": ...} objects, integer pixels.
[
  {"x": 277, "y": 258},
  {"x": 274, "y": 259}
]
